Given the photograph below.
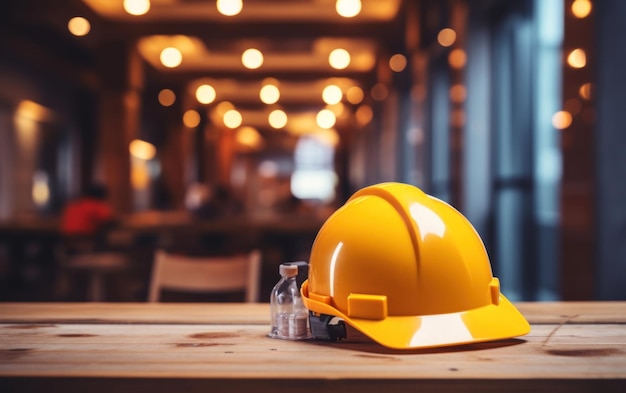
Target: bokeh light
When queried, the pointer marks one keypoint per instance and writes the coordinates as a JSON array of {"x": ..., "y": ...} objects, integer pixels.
[
  {"x": 355, "y": 95},
  {"x": 252, "y": 58},
  {"x": 332, "y": 94},
  {"x": 171, "y": 57},
  {"x": 232, "y": 118},
  {"x": 205, "y": 94},
  {"x": 269, "y": 94},
  {"x": 561, "y": 120},
  {"x": 446, "y": 37},
  {"x": 191, "y": 118},
  {"x": 577, "y": 58},
  {"x": 79, "y": 26},
  {"x": 348, "y": 8},
  {"x": 142, "y": 149},
  {"x": 229, "y": 7},
  {"x": 397, "y": 62},
  {"x": 167, "y": 97},
  {"x": 581, "y": 8},
  {"x": 339, "y": 59},
  {"x": 137, "y": 7},
  {"x": 325, "y": 118},
  {"x": 277, "y": 119}
]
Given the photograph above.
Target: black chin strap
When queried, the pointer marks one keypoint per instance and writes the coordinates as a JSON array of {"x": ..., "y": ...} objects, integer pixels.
[{"x": 327, "y": 327}]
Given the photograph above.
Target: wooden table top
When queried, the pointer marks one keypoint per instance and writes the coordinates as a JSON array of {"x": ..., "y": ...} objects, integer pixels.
[{"x": 119, "y": 347}]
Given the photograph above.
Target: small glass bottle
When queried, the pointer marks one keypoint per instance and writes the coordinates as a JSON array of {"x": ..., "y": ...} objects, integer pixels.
[{"x": 288, "y": 315}]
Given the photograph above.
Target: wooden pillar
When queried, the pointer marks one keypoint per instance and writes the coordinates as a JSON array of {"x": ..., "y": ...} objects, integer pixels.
[
  {"x": 119, "y": 120},
  {"x": 578, "y": 181}
]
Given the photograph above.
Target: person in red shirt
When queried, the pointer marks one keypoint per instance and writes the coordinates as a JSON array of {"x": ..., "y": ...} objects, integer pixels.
[{"x": 88, "y": 214}]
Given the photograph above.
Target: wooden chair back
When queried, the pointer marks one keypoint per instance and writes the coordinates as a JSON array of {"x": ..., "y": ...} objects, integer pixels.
[{"x": 197, "y": 274}]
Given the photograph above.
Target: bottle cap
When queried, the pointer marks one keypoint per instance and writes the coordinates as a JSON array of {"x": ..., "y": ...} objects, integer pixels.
[{"x": 288, "y": 270}]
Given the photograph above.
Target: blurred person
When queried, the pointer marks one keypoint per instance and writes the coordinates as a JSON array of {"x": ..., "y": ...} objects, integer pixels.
[{"x": 88, "y": 215}]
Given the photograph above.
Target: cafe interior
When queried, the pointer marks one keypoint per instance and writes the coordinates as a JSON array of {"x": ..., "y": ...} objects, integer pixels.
[{"x": 230, "y": 127}]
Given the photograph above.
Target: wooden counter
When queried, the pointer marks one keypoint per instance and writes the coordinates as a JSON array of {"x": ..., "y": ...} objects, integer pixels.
[{"x": 121, "y": 347}]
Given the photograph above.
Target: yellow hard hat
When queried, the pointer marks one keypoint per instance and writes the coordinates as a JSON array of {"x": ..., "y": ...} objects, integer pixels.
[{"x": 407, "y": 270}]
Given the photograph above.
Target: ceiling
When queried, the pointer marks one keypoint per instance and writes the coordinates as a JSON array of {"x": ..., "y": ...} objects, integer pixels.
[{"x": 295, "y": 37}]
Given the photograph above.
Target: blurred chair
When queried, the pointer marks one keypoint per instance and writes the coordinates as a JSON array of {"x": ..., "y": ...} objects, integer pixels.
[
  {"x": 96, "y": 264},
  {"x": 84, "y": 255},
  {"x": 215, "y": 274}
]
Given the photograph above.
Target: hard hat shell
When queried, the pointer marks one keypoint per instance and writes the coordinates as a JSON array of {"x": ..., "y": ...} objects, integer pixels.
[{"x": 409, "y": 271}]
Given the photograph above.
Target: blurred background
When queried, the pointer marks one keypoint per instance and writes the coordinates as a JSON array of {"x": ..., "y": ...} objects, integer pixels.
[{"x": 221, "y": 126}]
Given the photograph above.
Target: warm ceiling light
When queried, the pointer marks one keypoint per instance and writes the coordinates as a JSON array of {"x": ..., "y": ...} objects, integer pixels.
[
  {"x": 364, "y": 114},
  {"x": 581, "y": 8},
  {"x": 457, "y": 58},
  {"x": 249, "y": 137},
  {"x": 446, "y": 37},
  {"x": 354, "y": 95},
  {"x": 325, "y": 118},
  {"x": 339, "y": 59},
  {"x": 232, "y": 118},
  {"x": 561, "y": 120},
  {"x": 397, "y": 62},
  {"x": 142, "y": 149},
  {"x": 348, "y": 8},
  {"x": 79, "y": 26},
  {"x": 191, "y": 119},
  {"x": 277, "y": 119},
  {"x": 229, "y": 7},
  {"x": 269, "y": 94},
  {"x": 171, "y": 57},
  {"x": 585, "y": 91},
  {"x": 137, "y": 7},
  {"x": 458, "y": 93},
  {"x": 577, "y": 58},
  {"x": 167, "y": 97},
  {"x": 252, "y": 58},
  {"x": 222, "y": 108},
  {"x": 205, "y": 94},
  {"x": 332, "y": 94},
  {"x": 337, "y": 109}
]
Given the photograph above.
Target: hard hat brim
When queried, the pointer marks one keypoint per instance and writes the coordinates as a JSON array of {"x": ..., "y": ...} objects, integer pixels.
[{"x": 488, "y": 323}]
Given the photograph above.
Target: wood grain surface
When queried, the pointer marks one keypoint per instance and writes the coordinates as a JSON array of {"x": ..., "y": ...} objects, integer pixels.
[{"x": 224, "y": 347}]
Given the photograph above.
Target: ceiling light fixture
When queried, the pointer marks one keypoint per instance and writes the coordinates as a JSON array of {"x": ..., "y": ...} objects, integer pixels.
[
  {"x": 577, "y": 58},
  {"x": 167, "y": 97},
  {"x": 191, "y": 118},
  {"x": 397, "y": 62},
  {"x": 277, "y": 119},
  {"x": 142, "y": 149},
  {"x": 339, "y": 59},
  {"x": 355, "y": 95},
  {"x": 252, "y": 58},
  {"x": 79, "y": 26},
  {"x": 348, "y": 8},
  {"x": 446, "y": 37},
  {"x": 137, "y": 7},
  {"x": 325, "y": 119},
  {"x": 229, "y": 7},
  {"x": 269, "y": 94},
  {"x": 205, "y": 94},
  {"x": 332, "y": 94},
  {"x": 171, "y": 57},
  {"x": 232, "y": 118}
]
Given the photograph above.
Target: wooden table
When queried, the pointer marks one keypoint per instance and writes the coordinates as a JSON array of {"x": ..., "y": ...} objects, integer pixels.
[{"x": 116, "y": 347}]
